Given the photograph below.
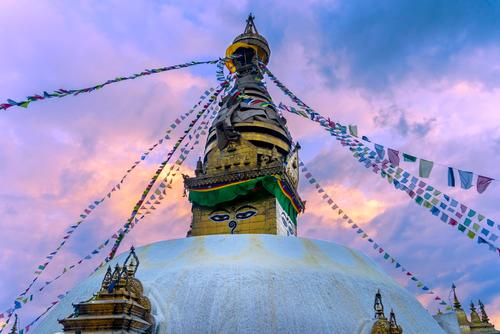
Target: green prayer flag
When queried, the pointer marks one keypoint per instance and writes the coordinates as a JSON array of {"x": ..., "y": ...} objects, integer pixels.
[
  {"x": 24, "y": 104},
  {"x": 353, "y": 129},
  {"x": 409, "y": 158},
  {"x": 461, "y": 228},
  {"x": 471, "y": 234},
  {"x": 419, "y": 200},
  {"x": 425, "y": 168}
]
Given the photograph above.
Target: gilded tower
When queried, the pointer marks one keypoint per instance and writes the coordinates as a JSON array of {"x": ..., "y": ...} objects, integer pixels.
[{"x": 247, "y": 181}]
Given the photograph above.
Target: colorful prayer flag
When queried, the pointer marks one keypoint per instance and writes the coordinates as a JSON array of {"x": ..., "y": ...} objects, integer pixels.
[
  {"x": 425, "y": 168},
  {"x": 409, "y": 158},
  {"x": 482, "y": 183},
  {"x": 465, "y": 179},
  {"x": 353, "y": 129},
  {"x": 393, "y": 156},
  {"x": 451, "y": 177},
  {"x": 380, "y": 151}
]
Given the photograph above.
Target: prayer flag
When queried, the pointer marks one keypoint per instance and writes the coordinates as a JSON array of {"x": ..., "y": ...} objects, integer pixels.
[
  {"x": 451, "y": 177},
  {"x": 465, "y": 179},
  {"x": 409, "y": 158},
  {"x": 435, "y": 211},
  {"x": 393, "y": 156},
  {"x": 425, "y": 168},
  {"x": 482, "y": 183},
  {"x": 481, "y": 240},
  {"x": 353, "y": 129},
  {"x": 380, "y": 151}
]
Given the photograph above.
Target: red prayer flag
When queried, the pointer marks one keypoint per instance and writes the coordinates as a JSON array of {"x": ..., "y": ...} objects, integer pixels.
[
  {"x": 393, "y": 156},
  {"x": 482, "y": 183}
]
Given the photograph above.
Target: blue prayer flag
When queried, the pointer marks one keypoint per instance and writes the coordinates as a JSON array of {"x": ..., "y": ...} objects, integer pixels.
[
  {"x": 451, "y": 177},
  {"x": 435, "y": 211},
  {"x": 380, "y": 151},
  {"x": 465, "y": 179}
]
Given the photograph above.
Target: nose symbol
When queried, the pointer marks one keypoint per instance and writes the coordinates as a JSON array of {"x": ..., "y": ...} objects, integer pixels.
[{"x": 232, "y": 225}]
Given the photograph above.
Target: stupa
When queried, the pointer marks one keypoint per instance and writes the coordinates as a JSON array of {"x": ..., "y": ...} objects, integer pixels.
[{"x": 242, "y": 268}]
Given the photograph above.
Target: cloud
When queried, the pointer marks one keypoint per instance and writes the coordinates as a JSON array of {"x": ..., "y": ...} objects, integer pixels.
[
  {"x": 386, "y": 42},
  {"x": 396, "y": 118}
]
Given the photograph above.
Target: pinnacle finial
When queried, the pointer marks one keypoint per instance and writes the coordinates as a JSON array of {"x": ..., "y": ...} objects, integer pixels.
[
  {"x": 456, "y": 302},
  {"x": 250, "y": 27},
  {"x": 392, "y": 319},
  {"x": 378, "y": 306},
  {"x": 199, "y": 167},
  {"x": 484, "y": 316},
  {"x": 474, "y": 317}
]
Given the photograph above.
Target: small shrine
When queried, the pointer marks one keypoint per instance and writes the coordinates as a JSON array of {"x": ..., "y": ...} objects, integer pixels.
[{"x": 119, "y": 307}]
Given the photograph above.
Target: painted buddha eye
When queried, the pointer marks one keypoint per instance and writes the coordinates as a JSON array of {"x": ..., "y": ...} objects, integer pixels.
[
  {"x": 246, "y": 214},
  {"x": 219, "y": 217}
]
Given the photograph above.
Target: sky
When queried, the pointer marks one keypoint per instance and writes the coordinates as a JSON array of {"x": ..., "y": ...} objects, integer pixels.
[{"x": 418, "y": 76}]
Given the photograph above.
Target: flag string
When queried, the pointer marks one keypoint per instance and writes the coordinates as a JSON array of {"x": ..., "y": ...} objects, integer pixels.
[
  {"x": 362, "y": 234},
  {"x": 65, "y": 92}
]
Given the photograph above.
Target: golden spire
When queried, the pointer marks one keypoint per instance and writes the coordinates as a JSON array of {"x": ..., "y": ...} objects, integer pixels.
[
  {"x": 474, "y": 317},
  {"x": 484, "y": 316},
  {"x": 247, "y": 181},
  {"x": 460, "y": 313},
  {"x": 251, "y": 28},
  {"x": 456, "y": 303},
  {"x": 250, "y": 38},
  {"x": 107, "y": 279}
]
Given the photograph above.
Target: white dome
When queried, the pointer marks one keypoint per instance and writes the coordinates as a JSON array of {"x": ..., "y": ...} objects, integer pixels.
[{"x": 258, "y": 284}]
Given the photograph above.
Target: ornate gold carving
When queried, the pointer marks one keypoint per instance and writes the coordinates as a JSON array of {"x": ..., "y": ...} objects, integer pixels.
[
  {"x": 292, "y": 166},
  {"x": 477, "y": 324},
  {"x": 118, "y": 306},
  {"x": 382, "y": 325},
  {"x": 461, "y": 316}
]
